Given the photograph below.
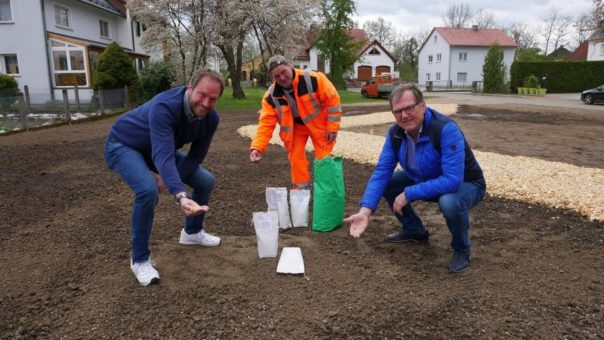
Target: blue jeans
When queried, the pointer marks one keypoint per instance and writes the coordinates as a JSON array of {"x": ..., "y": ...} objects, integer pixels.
[
  {"x": 455, "y": 207},
  {"x": 134, "y": 170}
]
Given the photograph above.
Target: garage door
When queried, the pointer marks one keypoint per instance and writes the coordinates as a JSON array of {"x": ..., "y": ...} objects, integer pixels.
[
  {"x": 382, "y": 69},
  {"x": 364, "y": 72}
]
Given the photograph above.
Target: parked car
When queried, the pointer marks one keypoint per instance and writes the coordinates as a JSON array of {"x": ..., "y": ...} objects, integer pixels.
[
  {"x": 379, "y": 86},
  {"x": 593, "y": 95}
]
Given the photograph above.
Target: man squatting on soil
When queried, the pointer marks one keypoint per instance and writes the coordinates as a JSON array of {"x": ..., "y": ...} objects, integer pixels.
[
  {"x": 439, "y": 166},
  {"x": 305, "y": 104},
  {"x": 145, "y": 142}
]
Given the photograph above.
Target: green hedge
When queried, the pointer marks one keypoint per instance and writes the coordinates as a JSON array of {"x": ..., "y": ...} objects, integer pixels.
[{"x": 561, "y": 76}]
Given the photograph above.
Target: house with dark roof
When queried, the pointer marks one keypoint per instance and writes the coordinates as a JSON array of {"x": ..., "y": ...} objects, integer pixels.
[
  {"x": 374, "y": 59},
  {"x": 559, "y": 53},
  {"x": 455, "y": 56},
  {"x": 51, "y": 45}
]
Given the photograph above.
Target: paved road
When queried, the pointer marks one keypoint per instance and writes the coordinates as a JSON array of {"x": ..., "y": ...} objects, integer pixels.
[{"x": 568, "y": 100}]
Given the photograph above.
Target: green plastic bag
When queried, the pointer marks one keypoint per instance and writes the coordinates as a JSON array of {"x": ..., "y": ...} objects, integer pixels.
[{"x": 329, "y": 196}]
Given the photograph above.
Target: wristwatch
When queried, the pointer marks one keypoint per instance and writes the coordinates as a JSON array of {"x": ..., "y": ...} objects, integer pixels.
[{"x": 180, "y": 196}]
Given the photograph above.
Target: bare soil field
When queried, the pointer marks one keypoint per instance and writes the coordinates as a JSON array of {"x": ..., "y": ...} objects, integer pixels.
[{"x": 537, "y": 272}]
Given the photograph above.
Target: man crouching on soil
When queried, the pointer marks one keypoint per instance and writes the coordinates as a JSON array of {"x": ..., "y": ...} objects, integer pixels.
[
  {"x": 438, "y": 166},
  {"x": 145, "y": 142}
]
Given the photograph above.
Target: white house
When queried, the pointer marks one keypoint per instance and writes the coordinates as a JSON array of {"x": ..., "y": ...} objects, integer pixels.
[
  {"x": 455, "y": 56},
  {"x": 373, "y": 58},
  {"x": 50, "y": 45},
  {"x": 595, "y": 47}
]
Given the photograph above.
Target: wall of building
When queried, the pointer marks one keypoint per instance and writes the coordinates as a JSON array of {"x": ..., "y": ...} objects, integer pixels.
[{"x": 25, "y": 37}]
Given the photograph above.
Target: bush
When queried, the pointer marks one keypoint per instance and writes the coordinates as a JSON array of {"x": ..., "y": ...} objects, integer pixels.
[
  {"x": 494, "y": 70},
  {"x": 9, "y": 89},
  {"x": 560, "y": 76},
  {"x": 115, "y": 70},
  {"x": 156, "y": 78},
  {"x": 8, "y": 86},
  {"x": 531, "y": 81}
]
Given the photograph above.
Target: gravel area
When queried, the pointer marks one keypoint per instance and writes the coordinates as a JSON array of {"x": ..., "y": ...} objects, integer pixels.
[{"x": 555, "y": 184}]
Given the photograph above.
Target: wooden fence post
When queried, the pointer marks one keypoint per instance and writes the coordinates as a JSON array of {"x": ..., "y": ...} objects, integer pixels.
[
  {"x": 27, "y": 99},
  {"x": 66, "y": 106},
  {"x": 76, "y": 92},
  {"x": 126, "y": 98},
  {"x": 101, "y": 101},
  {"x": 23, "y": 112}
]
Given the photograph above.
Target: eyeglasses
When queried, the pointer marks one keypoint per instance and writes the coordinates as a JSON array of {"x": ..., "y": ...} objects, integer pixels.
[{"x": 407, "y": 110}]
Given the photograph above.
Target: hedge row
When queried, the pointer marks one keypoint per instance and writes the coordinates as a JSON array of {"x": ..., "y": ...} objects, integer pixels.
[{"x": 560, "y": 76}]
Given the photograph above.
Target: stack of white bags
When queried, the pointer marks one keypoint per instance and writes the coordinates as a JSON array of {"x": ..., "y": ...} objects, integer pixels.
[{"x": 277, "y": 216}]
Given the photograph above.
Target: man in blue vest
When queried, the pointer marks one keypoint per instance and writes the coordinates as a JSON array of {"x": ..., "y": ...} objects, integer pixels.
[
  {"x": 143, "y": 148},
  {"x": 438, "y": 166}
]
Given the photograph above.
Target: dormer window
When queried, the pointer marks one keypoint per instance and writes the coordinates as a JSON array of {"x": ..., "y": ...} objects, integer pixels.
[{"x": 374, "y": 51}]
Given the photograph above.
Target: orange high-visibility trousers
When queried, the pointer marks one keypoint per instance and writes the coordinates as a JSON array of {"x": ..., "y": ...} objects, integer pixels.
[{"x": 297, "y": 155}]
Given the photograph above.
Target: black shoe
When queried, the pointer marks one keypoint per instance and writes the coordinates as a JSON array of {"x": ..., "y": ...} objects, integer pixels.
[
  {"x": 460, "y": 261},
  {"x": 401, "y": 237}
]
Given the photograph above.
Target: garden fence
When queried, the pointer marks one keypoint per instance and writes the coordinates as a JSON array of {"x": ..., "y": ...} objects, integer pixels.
[{"x": 28, "y": 110}]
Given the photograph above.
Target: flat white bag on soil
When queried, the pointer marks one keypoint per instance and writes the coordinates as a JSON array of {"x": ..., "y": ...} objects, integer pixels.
[
  {"x": 266, "y": 225},
  {"x": 276, "y": 198},
  {"x": 291, "y": 261},
  {"x": 299, "y": 201}
]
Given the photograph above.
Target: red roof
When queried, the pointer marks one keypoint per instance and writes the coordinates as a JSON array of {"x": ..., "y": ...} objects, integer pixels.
[
  {"x": 475, "y": 37},
  {"x": 580, "y": 54},
  {"x": 357, "y": 35}
]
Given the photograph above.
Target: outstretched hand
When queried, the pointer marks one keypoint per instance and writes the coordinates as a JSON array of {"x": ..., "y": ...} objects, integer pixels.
[
  {"x": 191, "y": 208},
  {"x": 358, "y": 222}
]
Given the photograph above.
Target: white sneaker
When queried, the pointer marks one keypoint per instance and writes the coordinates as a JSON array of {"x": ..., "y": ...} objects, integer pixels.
[
  {"x": 201, "y": 238},
  {"x": 144, "y": 272}
]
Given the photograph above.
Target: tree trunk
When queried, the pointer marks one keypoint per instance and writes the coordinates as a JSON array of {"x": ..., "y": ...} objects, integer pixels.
[{"x": 234, "y": 72}]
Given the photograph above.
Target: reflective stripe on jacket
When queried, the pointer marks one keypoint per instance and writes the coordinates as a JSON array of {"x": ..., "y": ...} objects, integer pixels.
[{"x": 318, "y": 104}]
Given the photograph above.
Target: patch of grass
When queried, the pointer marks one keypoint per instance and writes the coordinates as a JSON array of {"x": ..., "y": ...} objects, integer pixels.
[{"x": 253, "y": 96}]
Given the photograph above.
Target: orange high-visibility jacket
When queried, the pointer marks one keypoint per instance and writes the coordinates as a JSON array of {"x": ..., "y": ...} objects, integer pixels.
[{"x": 318, "y": 106}]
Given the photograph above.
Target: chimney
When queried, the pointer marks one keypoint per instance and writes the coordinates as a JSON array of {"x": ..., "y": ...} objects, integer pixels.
[{"x": 475, "y": 27}]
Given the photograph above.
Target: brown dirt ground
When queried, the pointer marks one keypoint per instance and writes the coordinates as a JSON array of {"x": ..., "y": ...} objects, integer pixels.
[{"x": 64, "y": 249}]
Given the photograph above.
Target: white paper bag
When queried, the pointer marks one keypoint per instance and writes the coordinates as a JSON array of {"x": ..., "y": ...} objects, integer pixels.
[
  {"x": 276, "y": 198},
  {"x": 266, "y": 225},
  {"x": 272, "y": 197},
  {"x": 299, "y": 201},
  {"x": 291, "y": 261}
]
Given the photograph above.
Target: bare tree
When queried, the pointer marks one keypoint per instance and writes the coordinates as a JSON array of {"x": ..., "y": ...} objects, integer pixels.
[
  {"x": 180, "y": 25},
  {"x": 523, "y": 35},
  {"x": 457, "y": 16},
  {"x": 584, "y": 24},
  {"x": 484, "y": 19},
  {"x": 382, "y": 31},
  {"x": 282, "y": 26},
  {"x": 555, "y": 28},
  {"x": 598, "y": 14}
]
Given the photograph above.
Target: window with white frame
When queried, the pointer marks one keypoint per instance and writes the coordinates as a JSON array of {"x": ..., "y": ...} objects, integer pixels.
[
  {"x": 462, "y": 77},
  {"x": 69, "y": 64},
  {"x": 6, "y": 13},
  {"x": 439, "y": 57},
  {"x": 62, "y": 16},
  {"x": 104, "y": 28},
  {"x": 437, "y": 75},
  {"x": 463, "y": 56},
  {"x": 430, "y": 58},
  {"x": 9, "y": 64},
  {"x": 427, "y": 76},
  {"x": 435, "y": 38}
]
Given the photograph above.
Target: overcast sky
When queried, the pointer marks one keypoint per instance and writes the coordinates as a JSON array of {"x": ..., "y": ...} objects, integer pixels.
[{"x": 408, "y": 16}]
